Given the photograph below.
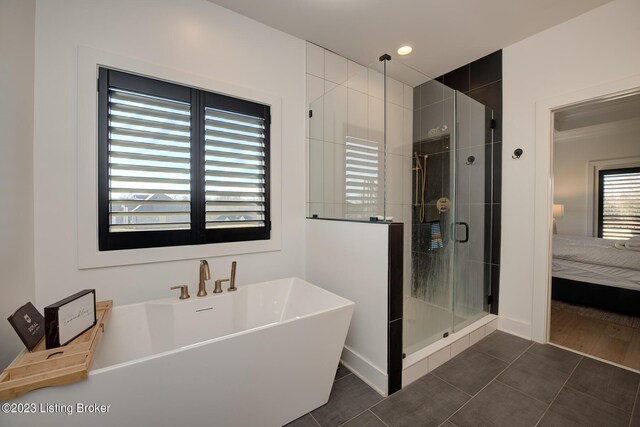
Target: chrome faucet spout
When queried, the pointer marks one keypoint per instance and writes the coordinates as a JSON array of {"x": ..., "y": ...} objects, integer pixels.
[{"x": 205, "y": 274}]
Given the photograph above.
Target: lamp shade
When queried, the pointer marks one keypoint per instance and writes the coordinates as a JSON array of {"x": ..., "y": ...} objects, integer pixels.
[{"x": 558, "y": 211}]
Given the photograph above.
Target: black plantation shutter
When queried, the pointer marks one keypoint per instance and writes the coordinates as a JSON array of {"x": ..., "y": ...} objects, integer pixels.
[
  {"x": 619, "y": 203},
  {"x": 179, "y": 165}
]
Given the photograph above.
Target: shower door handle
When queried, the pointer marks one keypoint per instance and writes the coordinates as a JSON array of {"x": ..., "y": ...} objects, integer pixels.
[{"x": 466, "y": 232}]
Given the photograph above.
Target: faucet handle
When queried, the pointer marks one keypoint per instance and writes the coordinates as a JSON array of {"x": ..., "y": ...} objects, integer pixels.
[
  {"x": 232, "y": 278},
  {"x": 184, "y": 291},
  {"x": 218, "y": 287}
]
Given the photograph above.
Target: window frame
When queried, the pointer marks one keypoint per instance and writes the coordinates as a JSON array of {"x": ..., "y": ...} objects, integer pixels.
[
  {"x": 601, "y": 174},
  {"x": 199, "y": 99}
]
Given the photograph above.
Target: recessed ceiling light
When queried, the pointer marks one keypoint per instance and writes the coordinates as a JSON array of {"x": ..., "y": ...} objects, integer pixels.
[{"x": 405, "y": 50}]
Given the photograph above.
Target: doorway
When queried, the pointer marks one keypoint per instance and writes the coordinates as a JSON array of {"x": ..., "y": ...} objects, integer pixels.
[{"x": 595, "y": 264}]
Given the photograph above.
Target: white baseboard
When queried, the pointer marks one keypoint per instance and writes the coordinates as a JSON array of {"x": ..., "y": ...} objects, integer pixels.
[
  {"x": 364, "y": 370},
  {"x": 514, "y": 327}
]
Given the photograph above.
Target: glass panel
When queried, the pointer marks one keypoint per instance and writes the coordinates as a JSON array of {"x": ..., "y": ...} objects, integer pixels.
[
  {"x": 473, "y": 158},
  {"x": 420, "y": 114},
  {"x": 346, "y": 143}
]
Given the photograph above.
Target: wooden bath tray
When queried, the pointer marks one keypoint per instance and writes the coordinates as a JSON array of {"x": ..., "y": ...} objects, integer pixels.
[{"x": 57, "y": 366}]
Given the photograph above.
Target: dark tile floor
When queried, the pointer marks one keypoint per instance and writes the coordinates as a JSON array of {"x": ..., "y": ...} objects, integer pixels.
[{"x": 501, "y": 381}]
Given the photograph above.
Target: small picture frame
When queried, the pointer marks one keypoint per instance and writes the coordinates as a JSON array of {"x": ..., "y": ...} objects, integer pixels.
[{"x": 67, "y": 319}]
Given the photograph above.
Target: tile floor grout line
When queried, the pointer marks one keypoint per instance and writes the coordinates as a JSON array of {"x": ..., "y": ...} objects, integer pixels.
[
  {"x": 490, "y": 381},
  {"x": 635, "y": 405},
  {"x": 345, "y": 376},
  {"x": 314, "y": 419},
  {"x": 444, "y": 381},
  {"x": 598, "y": 399},
  {"x": 522, "y": 392},
  {"x": 354, "y": 417},
  {"x": 374, "y": 414},
  {"x": 560, "y": 390}
]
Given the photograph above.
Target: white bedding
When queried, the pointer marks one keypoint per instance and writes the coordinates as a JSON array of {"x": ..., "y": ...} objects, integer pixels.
[
  {"x": 593, "y": 260},
  {"x": 591, "y": 250}
]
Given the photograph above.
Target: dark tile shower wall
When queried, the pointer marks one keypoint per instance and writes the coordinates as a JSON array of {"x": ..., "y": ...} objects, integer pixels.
[{"x": 481, "y": 80}]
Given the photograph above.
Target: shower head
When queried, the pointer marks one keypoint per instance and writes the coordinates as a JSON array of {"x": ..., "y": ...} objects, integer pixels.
[{"x": 437, "y": 132}]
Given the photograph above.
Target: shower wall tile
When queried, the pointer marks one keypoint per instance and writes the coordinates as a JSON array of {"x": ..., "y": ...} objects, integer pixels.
[
  {"x": 496, "y": 220},
  {"x": 394, "y": 128},
  {"x": 328, "y": 176},
  {"x": 416, "y": 125},
  {"x": 335, "y": 68},
  {"x": 357, "y": 114},
  {"x": 394, "y": 179},
  {"x": 407, "y": 184},
  {"x": 358, "y": 77},
  {"x": 430, "y": 92},
  {"x": 407, "y": 132},
  {"x": 495, "y": 287},
  {"x": 408, "y": 97},
  {"x": 335, "y": 114},
  {"x": 339, "y": 161},
  {"x": 316, "y": 171},
  {"x": 395, "y": 92},
  {"x": 485, "y": 70},
  {"x": 315, "y": 103},
  {"x": 376, "y": 119},
  {"x": 315, "y": 60},
  {"x": 458, "y": 79},
  {"x": 497, "y": 172},
  {"x": 376, "y": 84},
  {"x": 489, "y": 95}
]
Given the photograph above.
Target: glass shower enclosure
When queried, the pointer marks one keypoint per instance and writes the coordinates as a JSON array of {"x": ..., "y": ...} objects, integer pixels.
[{"x": 392, "y": 144}]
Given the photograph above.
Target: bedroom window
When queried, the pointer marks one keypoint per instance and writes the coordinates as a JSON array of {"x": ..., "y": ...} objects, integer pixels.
[
  {"x": 619, "y": 203},
  {"x": 179, "y": 165}
]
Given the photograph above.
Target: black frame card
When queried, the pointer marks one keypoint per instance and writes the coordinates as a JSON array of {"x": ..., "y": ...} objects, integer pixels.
[
  {"x": 69, "y": 318},
  {"x": 29, "y": 325}
]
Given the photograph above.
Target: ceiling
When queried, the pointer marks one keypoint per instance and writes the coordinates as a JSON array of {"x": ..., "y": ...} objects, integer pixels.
[
  {"x": 603, "y": 117},
  {"x": 445, "y": 34}
]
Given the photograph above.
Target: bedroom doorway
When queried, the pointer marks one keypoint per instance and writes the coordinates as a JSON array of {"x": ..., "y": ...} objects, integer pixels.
[{"x": 595, "y": 246}]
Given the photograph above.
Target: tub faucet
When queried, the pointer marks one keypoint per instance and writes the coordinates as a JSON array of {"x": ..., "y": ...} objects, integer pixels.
[{"x": 205, "y": 274}]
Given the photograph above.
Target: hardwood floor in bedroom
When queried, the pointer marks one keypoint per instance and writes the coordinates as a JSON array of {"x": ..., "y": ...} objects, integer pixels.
[{"x": 596, "y": 332}]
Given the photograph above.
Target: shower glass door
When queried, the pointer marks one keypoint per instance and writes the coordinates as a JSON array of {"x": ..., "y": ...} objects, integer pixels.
[
  {"x": 472, "y": 163},
  {"x": 449, "y": 239}
]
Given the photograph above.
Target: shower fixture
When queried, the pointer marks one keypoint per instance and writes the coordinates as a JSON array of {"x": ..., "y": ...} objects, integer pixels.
[
  {"x": 420, "y": 183},
  {"x": 437, "y": 132}
]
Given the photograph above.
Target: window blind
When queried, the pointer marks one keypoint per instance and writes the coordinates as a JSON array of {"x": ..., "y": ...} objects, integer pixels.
[
  {"x": 149, "y": 162},
  {"x": 234, "y": 170},
  {"x": 620, "y": 203}
]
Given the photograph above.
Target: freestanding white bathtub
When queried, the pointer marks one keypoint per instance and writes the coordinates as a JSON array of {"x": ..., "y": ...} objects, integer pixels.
[{"x": 261, "y": 356}]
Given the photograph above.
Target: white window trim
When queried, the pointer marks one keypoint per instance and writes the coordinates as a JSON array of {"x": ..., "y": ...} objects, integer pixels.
[
  {"x": 87, "y": 164},
  {"x": 595, "y": 167}
]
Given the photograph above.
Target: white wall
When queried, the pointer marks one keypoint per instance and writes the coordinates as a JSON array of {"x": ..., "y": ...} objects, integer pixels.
[
  {"x": 572, "y": 152},
  {"x": 351, "y": 259},
  {"x": 17, "y": 32},
  {"x": 191, "y": 36},
  {"x": 588, "y": 51}
]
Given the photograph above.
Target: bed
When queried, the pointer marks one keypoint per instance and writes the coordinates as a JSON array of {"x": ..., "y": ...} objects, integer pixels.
[{"x": 597, "y": 272}]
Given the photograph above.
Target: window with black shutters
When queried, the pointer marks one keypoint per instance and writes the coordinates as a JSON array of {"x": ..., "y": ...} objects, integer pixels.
[
  {"x": 619, "y": 203},
  {"x": 179, "y": 165}
]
